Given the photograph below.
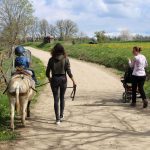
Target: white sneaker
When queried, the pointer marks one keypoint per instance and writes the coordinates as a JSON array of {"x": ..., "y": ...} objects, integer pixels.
[
  {"x": 62, "y": 119},
  {"x": 57, "y": 122}
]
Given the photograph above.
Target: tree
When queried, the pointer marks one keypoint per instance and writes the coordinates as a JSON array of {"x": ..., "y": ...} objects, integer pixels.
[
  {"x": 60, "y": 29},
  {"x": 70, "y": 28},
  {"x": 101, "y": 37},
  {"x": 125, "y": 35},
  {"x": 44, "y": 27},
  {"x": 27, "y": 28},
  {"x": 13, "y": 14},
  {"x": 52, "y": 30},
  {"x": 82, "y": 37},
  {"x": 66, "y": 29},
  {"x": 34, "y": 30}
]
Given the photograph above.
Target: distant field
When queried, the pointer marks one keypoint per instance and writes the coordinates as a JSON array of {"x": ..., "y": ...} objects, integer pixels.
[
  {"x": 5, "y": 133},
  {"x": 114, "y": 55}
]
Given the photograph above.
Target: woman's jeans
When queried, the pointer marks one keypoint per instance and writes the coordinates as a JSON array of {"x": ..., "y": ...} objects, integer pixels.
[
  {"x": 138, "y": 83},
  {"x": 59, "y": 85}
]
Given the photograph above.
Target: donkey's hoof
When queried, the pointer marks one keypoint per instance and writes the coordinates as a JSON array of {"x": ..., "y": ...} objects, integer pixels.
[
  {"x": 28, "y": 115},
  {"x": 23, "y": 126},
  {"x": 12, "y": 128}
]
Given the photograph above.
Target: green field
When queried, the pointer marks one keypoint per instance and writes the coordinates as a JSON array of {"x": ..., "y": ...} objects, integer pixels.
[
  {"x": 5, "y": 132},
  {"x": 114, "y": 55}
]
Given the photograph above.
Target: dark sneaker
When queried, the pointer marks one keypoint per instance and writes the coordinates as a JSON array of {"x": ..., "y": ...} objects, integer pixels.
[
  {"x": 133, "y": 104},
  {"x": 145, "y": 104}
]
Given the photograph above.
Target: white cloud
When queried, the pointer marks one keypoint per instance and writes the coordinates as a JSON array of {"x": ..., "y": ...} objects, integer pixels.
[{"x": 93, "y": 15}]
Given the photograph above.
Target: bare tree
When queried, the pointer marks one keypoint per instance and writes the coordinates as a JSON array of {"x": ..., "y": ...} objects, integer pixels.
[
  {"x": 70, "y": 28},
  {"x": 66, "y": 29},
  {"x": 34, "y": 30},
  {"x": 82, "y": 35},
  {"x": 125, "y": 35},
  {"x": 13, "y": 14},
  {"x": 60, "y": 29},
  {"x": 52, "y": 30},
  {"x": 27, "y": 28},
  {"x": 44, "y": 27}
]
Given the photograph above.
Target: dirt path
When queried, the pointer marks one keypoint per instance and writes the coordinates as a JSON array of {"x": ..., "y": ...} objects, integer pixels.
[{"x": 96, "y": 120}]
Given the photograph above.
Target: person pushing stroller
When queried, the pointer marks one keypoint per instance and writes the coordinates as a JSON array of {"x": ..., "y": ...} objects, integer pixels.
[{"x": 139, "y": 63}]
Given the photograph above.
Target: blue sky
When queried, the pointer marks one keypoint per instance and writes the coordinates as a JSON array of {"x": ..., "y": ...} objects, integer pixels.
[{"x": 96, "y": 15}]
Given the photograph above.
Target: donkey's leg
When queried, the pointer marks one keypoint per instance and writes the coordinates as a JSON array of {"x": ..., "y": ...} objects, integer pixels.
[
  {"x": 24, "y": 107},
  {"x": 28, "y": 109},
  {"x": 12, "y": 113}
]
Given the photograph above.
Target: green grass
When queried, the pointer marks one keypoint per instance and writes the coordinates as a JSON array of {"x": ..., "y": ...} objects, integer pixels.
[
  {"x": 5, "y": 132},
  {"x": 39, "y": 69},
  {"x": 114, "y": 55}
]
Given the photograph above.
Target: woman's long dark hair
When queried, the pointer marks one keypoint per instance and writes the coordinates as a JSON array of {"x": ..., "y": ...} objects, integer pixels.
[{"x": 58, "y": 50}]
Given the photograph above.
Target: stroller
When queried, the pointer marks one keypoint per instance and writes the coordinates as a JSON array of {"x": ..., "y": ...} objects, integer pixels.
[{"x": 127, "y": 84}]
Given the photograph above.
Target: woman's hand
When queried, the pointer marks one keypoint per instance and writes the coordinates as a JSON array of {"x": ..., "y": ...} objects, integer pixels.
[
  {"x": 129, "y": 59},
  {"x": 74, "y": 83}
]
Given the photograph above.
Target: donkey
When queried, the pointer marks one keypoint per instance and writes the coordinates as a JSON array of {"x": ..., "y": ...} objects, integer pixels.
[{"x": 20, "y": 92}]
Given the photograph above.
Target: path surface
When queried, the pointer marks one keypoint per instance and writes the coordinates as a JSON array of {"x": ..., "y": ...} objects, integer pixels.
[{"x": 96, "y": 120}]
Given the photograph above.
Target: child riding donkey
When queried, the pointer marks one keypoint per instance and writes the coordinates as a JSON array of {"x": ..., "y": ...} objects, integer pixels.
[
  {"x": 21, "y": 86},
  {"x": 22, "y": 63}
]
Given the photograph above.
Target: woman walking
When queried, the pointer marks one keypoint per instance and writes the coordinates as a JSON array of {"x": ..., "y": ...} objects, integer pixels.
[
  {"x": 139, "y": 63},
  {"x": 58, "y": 66}
]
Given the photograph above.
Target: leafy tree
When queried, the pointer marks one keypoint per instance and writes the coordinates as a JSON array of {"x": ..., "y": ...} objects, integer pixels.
[
  {"x": 14, "y": 17},
  {"x": 101, "y": 37}
]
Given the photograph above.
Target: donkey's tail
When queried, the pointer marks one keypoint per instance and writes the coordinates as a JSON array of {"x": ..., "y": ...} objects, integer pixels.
[{"x": 17, "y": 100}]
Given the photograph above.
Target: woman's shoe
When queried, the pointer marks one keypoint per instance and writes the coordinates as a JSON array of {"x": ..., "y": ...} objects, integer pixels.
[
  {"x": 133, "y": 104},
  {"x": 145, "y": 103},
  {"x": 58, "y": 122},
  {"x": 61, "y": 119}
]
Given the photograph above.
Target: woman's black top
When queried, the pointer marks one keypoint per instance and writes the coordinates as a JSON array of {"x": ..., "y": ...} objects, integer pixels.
[{"x": 59, "y": 65}]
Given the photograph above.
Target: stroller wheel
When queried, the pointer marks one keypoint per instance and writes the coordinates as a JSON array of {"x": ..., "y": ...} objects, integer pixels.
[
  {"x": 126, "y": 97},
  {"x": 129, "y": 97}
]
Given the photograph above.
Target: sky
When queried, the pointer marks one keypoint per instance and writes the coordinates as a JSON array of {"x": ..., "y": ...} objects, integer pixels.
[{"x": 112, "y": 16}]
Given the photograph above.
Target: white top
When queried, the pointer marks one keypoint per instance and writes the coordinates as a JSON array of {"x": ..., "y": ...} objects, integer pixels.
[{"x": 139, "y": 64}]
